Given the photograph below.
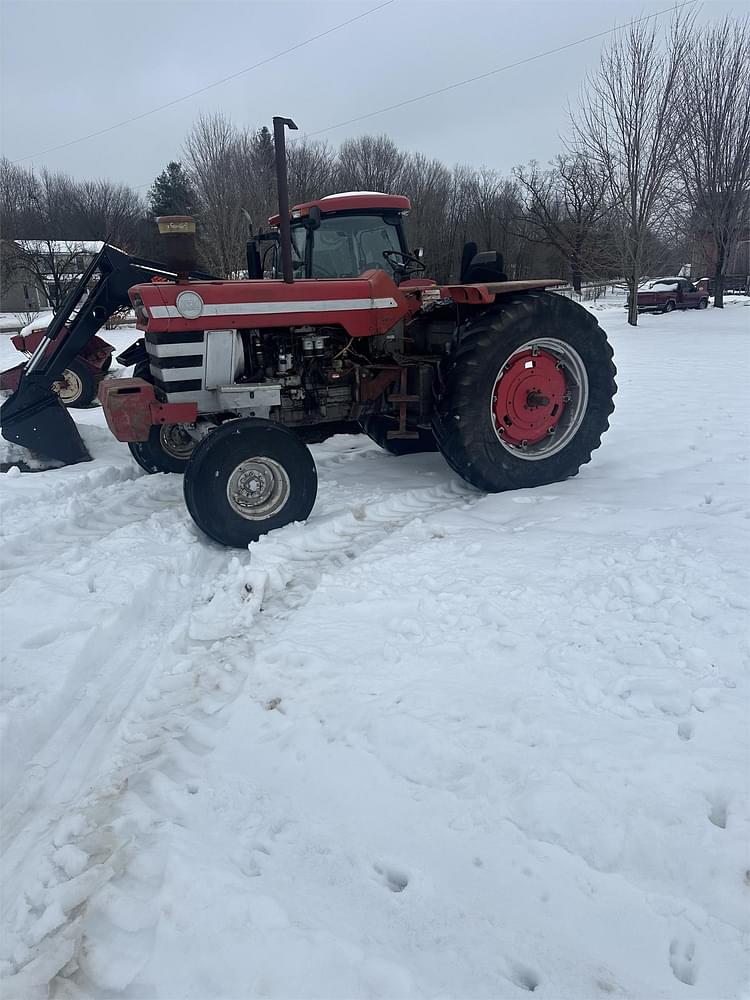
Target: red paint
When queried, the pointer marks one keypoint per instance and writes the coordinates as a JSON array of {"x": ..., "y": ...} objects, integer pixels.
[
  {"x": 366, "y": 321},
  {"x": 354, "y": 201},
  {"x": 526, "y": 378},
  {"x": 95, "y": 354},
  {"x": 361, "y": 322},
  {"x": 131, "y": 409},
  {"x": 10, "y": 378}
]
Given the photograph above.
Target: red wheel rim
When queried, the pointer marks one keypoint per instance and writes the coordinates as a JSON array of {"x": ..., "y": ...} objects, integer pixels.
[{"x": 529, "y": 397}]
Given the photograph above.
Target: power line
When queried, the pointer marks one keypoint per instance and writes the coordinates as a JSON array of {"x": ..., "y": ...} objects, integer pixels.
[
  {"x": 493, "y": 72},
  {"x": 209, "y": 86}
]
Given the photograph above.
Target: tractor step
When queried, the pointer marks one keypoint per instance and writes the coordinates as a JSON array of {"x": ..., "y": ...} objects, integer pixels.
[{"x": 402, "y": 398}]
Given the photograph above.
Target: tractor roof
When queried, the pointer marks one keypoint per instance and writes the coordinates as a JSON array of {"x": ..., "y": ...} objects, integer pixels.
[{"x": 351, "y": 201}]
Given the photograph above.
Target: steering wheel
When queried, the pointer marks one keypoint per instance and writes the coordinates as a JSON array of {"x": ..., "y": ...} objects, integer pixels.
[{"x": 407, "y": 261}]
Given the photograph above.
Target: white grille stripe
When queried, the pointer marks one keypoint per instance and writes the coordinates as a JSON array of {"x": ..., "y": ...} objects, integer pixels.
[
  {"x": 177, "y": 374},
  {"x": 274, "y": 308}
]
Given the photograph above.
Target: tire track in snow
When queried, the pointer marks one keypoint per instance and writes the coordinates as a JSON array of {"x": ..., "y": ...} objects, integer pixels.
[{"x": 111, "y": 820}]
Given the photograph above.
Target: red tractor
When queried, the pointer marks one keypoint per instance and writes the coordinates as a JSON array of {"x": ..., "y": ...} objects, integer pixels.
[
  {"x": 512, "y": 383},
  {"x": 79, "y": 382}
]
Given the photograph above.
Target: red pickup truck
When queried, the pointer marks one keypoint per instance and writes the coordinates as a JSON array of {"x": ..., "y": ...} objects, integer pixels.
[{"x": 666, "y": 294}]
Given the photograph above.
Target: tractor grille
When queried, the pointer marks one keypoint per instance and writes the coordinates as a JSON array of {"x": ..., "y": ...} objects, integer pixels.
[{"x": 176, "y": 365}]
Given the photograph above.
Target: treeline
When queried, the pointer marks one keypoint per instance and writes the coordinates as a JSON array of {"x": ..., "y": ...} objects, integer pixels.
[
  {"x": 657, "y": 157},
  {"x": 227, "y": 174}
]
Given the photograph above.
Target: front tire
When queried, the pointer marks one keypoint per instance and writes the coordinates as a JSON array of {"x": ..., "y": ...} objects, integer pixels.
[
  {"x": 169, "y": 449},
  {"x": 525, "y": 393},
  {"x": 669, "y": 307},
  {"x": 247, "y": 478}
]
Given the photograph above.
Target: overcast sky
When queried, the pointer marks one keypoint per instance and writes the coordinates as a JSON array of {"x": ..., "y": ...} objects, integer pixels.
[{"x": 70, "y": 68}]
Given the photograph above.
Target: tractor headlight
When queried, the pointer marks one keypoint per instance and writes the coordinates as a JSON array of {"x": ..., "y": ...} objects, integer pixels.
[{"x": 189, "y": 305}]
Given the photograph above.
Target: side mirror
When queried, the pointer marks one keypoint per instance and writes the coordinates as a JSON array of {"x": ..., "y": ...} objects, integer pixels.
[{"x": 313, "y": 218}]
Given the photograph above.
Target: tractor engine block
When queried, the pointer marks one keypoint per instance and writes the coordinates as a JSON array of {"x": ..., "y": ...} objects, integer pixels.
[{"x": 298, "y": 375}]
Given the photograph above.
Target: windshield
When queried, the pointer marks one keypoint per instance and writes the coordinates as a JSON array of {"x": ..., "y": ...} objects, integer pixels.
[{"x": 344, "y": 246}]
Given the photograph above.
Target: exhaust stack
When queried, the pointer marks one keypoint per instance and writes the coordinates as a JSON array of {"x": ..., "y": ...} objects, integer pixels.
[{"x": 282, "y": 183}]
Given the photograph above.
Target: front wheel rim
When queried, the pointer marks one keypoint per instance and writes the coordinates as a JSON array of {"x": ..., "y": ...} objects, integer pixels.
[
  {"x": 539, "y": 399},
  {"x": 69, "y": 388},
  {"x": 258, "y": 488},
  {"x": 176, "y": 441}
]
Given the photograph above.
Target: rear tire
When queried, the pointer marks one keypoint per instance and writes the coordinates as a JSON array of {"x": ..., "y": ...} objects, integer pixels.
[
  {"x": 247, "y": 478},
  {"x": 669, "y": 307},
  {"x": 169, "y": 449},
  {"x": 78, "y": 385},
  {"x": 534, "y": 363},
  {"x": 377, "y": 426},
  {"x": 703, "y": 304}
]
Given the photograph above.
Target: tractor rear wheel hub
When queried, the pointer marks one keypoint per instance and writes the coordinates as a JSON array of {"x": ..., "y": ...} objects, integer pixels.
[{"x": 528, "y": 398}]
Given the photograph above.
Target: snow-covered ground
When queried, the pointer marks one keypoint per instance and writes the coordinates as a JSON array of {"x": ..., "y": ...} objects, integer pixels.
[{"x": 430, "y": 744}]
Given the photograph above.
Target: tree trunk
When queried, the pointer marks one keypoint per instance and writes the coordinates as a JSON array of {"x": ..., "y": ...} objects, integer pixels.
[
  {"x": 575, "y": 275},
  {"x": 633, "y": 300},
  {"x": 719, "y": 279}
]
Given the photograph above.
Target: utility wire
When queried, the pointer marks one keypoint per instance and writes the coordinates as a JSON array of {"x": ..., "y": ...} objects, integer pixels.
[
  {"x": 493, "y": 72},
  {"x": 209, "y": 86}
]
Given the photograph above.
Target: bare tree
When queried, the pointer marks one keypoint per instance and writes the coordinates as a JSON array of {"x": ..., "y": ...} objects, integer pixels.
[
  {"x": 629, "y": 126},
  {"x": 370, "y": 163},
  {"x": 714, "y": 154},
  {"x": 428, "y": 184},
  {"x": 103, "y": 210},
  {"x": 565, "y": 206},
  {"x": 18, "y": 201},
  {"x": 218, "y": 161},
  {"x": 312, "y": 167},
  {"x": 52, "y": 265}
]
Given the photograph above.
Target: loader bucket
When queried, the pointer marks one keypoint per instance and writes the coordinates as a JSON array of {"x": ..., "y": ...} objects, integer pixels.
[{"x": 35, "y": 418}]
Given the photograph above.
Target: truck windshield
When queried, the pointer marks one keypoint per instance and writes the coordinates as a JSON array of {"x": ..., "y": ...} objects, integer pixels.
[{"x": 344, "y": 246}]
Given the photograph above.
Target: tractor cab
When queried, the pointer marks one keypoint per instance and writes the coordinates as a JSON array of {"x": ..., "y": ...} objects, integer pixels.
[{"x": 342, "y": 236}]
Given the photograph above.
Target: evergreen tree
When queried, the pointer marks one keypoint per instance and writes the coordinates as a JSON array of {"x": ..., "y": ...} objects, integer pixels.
[{"x": 172, "y": 193}]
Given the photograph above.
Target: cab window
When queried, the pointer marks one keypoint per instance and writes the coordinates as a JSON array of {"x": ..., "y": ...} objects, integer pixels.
[{"x": 346, "y": 245}]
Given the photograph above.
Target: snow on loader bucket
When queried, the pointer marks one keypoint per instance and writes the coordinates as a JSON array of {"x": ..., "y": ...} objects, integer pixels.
[{"x": 34, "y": 416}]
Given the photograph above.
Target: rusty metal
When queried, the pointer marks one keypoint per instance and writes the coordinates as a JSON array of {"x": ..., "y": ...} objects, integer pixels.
[
  {"x": 131, "y": 409},
  {"x": 178, "y": 240},
  {"x": 403, "y": 397},
  {"x": 371, "y": 386},
  {"x": 486, "y": 292}
]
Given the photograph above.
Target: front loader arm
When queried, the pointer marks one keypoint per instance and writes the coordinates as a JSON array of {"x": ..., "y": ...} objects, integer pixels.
[
  {"x": 118, "y": 272},
  {"x": 34, "y": 416}
]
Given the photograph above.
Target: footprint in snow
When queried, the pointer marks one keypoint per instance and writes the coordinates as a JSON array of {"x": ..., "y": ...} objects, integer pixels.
[
  {"x": 718, "y": 813},
  {"x": 524, "y": 977},
  {"x": 682, "y": 960},
  {"x": 394, "y": 878},
  {"x": 685, "y": 730}
]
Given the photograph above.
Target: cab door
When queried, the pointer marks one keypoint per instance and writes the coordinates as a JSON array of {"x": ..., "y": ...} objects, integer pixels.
[{"x": 691, "y": 295}]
